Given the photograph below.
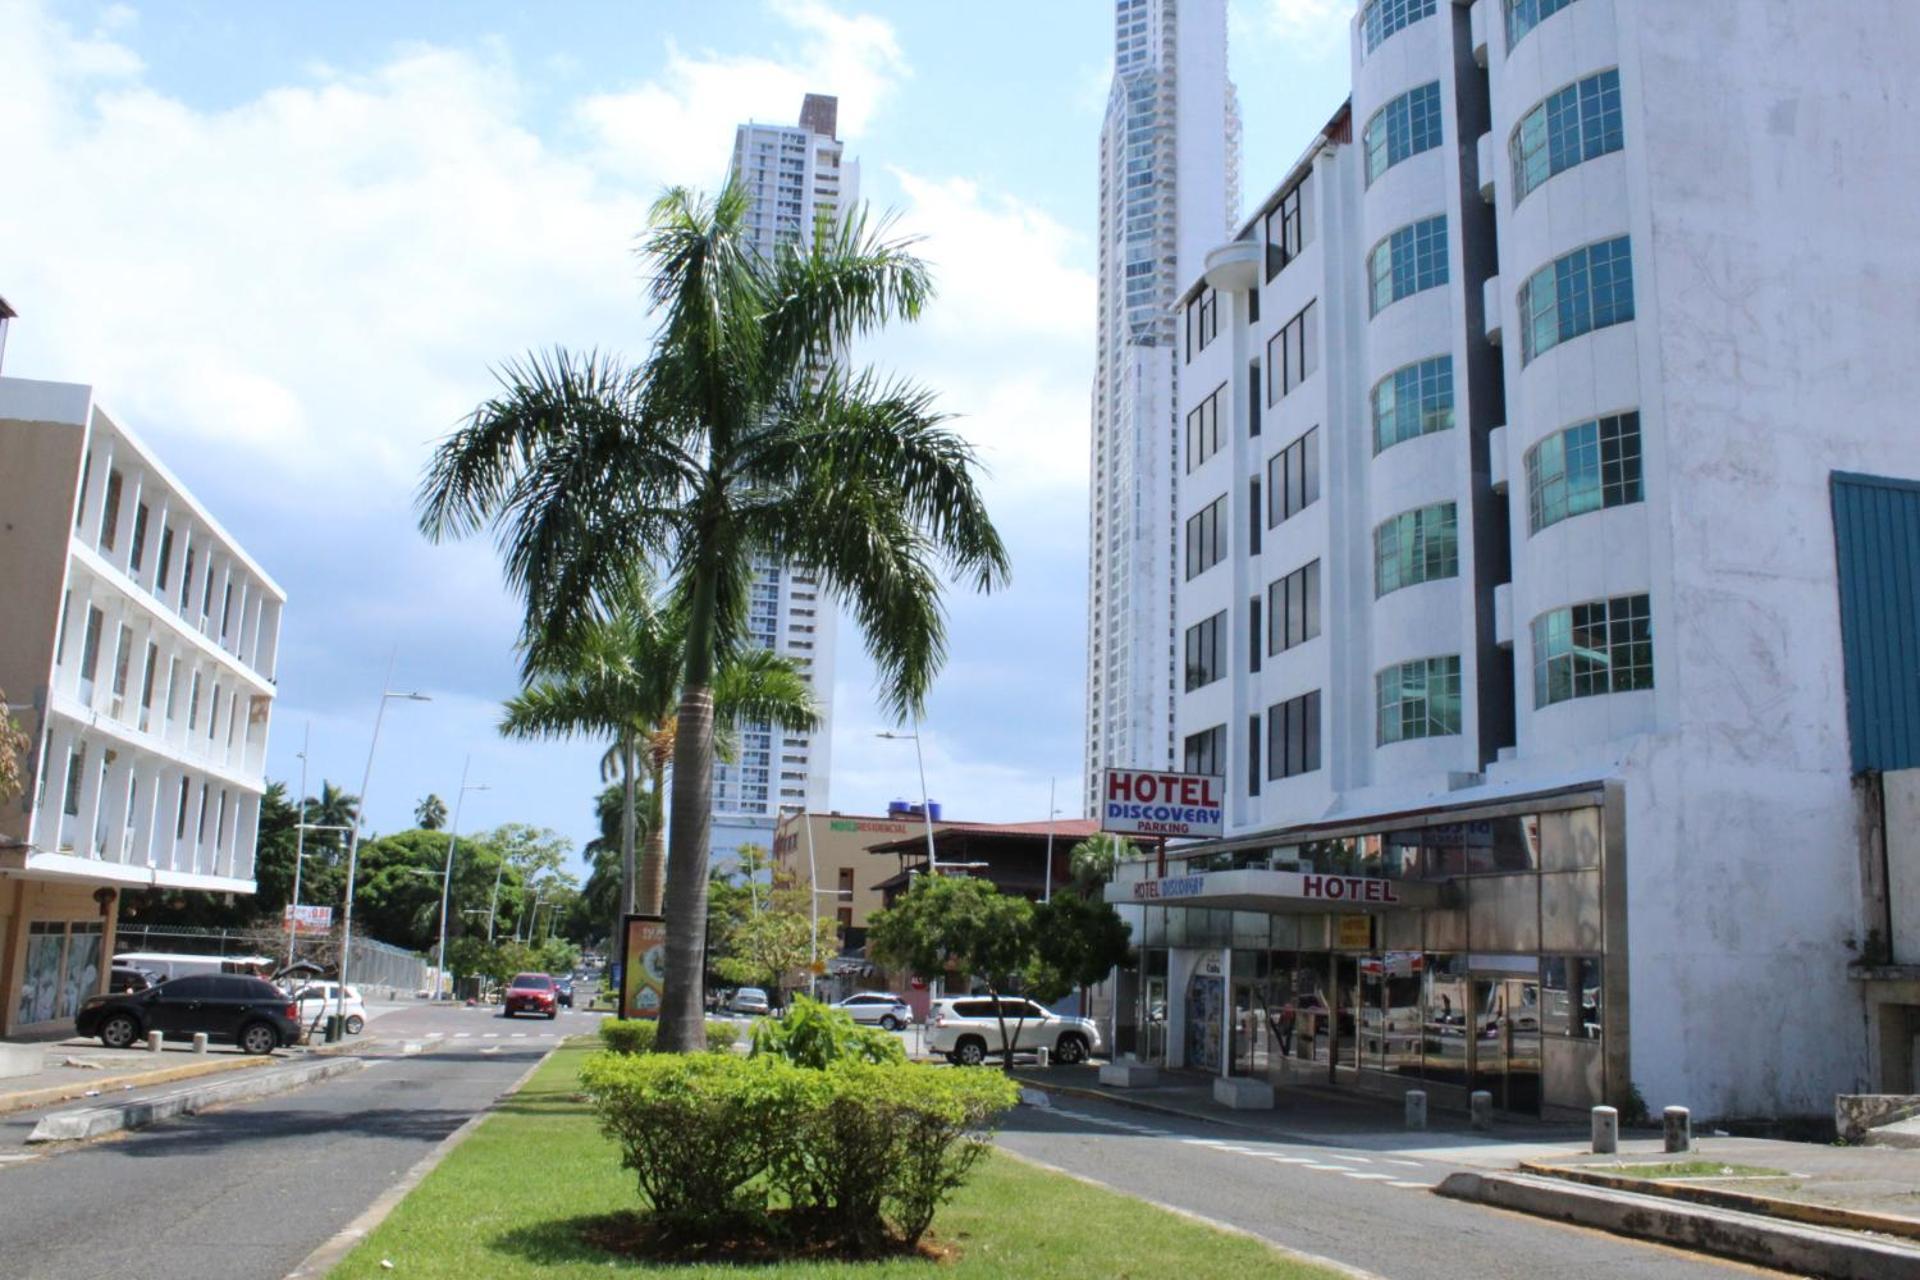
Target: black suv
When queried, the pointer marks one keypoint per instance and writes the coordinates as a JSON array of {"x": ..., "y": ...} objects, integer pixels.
[{"x": 251, "y": 1012}]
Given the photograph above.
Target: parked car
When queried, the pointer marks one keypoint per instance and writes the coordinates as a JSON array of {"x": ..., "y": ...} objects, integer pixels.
[
  {"x": 126, "y": 978},
  {"x": 750, "y": 1000},
  {"x": 318, "y": 1001},
  {"x": 251, "y": 1012},
  {"x": 530, "y": 993},
  {"x": 563, "y": 991},
  {"x": 882, "y": 1007},
  {"x": 966, "y": 1030}
]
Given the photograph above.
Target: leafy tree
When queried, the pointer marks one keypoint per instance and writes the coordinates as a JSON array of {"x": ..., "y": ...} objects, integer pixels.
[
  {"x": 14, "y": 744},
  {"x": 430, "y": 814},
  {"x": 956, "y": 924},
  {"x": 771, "y": 946},
  {"x": 1076, "y": 943},
  {"x": 331, "y": 808},
  {"x": 735, "y": 439},
  {"x": 1093, "y": 860},
  {"x": 469, "y": 957}
]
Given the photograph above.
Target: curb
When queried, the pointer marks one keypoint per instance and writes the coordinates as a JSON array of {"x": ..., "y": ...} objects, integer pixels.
[
  {"x": 1745, "y": 1237},
  {"x": 94, "y": 1122},
  {"x": 1815, "y": 1215},
  {"x": 28, "y": 1099},
  {"x": 1138, "y": 1104},
  {"x": 337, "y": 1246}
]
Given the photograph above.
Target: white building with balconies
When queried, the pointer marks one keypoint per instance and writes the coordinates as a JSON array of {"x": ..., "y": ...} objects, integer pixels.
[{"x": 137, "y": 649}]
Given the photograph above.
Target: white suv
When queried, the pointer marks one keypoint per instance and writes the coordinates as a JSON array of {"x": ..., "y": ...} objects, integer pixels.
[
  {"x": 965, "y": 1029},
  {"x": 878, "y": 1007}
]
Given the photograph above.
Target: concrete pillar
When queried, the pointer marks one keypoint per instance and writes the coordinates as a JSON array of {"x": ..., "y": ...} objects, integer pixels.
[
  {"x": 45, "y": 833},
  {"x": 1416, "y": 1102},
  {"x": 154, "y": 1040},
  {"x": 1480, "y": 1108},
  {"x": 1041, "y": 1057},
  {"x": 199, "y": 1042},
  {"x": 1679, "y": 1128},
  {"x": 1606, "y": 1131},
  {"x": 113, "y": 805},
  {"x": 87, "y": 824}
]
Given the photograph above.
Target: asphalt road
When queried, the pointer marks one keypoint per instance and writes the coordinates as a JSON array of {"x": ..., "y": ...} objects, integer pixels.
[
  {"x": 1365, "y": 1209},
  {"x": 246, "y": 1192}
]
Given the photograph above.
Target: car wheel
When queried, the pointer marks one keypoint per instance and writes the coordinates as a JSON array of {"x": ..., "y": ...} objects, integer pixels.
[
  {"x": 1070, "y": 1049},
  {"x": 552, "y": 1014},
  {"x": 119, "y": 1031},
  {"x": 356, "y": 1024},
  {"x": 258, "y": 1038},
  {"x": 970, "y": 1052},
  {"x": 890, "y": 1022}
]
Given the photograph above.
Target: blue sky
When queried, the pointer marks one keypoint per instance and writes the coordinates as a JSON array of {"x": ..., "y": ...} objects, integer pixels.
[{"x": 287, "y": 242}]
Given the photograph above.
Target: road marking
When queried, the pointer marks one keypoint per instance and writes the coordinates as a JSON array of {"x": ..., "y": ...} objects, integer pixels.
[
  {"x": 1328, "y": 1168},
  {"x": 1290, "y": 1160},
  {"x": 1354, "y": 1159},
  {"x": 1411, "y": 1164},
  {"x": 1411, "y": 1186},
  {"x": 490, "y": 1035},
  {"x": 1357, "y": 1176},
  {"x": 463, "y": 1035},
  {"x": 519, "y": 1035}
]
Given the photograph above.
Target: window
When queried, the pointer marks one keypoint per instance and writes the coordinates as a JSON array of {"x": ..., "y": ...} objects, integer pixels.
[
  {"x": 76, "y": 772},
  {"x": 206, "y": 594},
  {"x": 180, "y": 818},
  {"x": 1285, "y": 230},
  {"x": 1404, "y": 127},
  {"x": 90, "y": 653},
  {"x": 1253, "y": 389},
  {"x": 173, "y": 688},
  {"x": 1579, "y": 123},
  {"x": 146, "y": 686},
  {"x": 1207, "y": 751},
  {"x": 80, "y": 505},
  {"x": 1207, "y": 537},
  {"x": 1415, "y": 546},
  {"x": 138, "y": 551},
  {"x": 1382, "y": 18},
  {"x": 1588, "y": 466},
  {"x": 1253, "y": 753},
  {"x": 193, "y": 705},
  {"x": 1293, "y": 478},
  {"x": 1590, "y": 288},
  {"x": 1413, "y": 401},
  {"x": 1207, "y": 651},
  {"x": 1292, "y": 354},
  {"x": 1203, "y": 316},
  {"x": 1602, "y": 646},
  {"x": 1293, "y": 608},
  {"x": 1203, "y": 428},
  {"x": 1524, "y": 15},
  {"x": 226, "y": 610},
  {"x": 122, "y": 660},
  {"x": 186, "y": 581},
  {"x": 1411, "y": 259},
  {"x": 110, "y": 512},
  {"x": 1293, "y": 736},
  {"x": 1419, "y": 699},
  {"x": 213, "y": 712},
  {"x": 1253, "y": 634},
  {"x": 60, "y": 632},
  {"x": 1255, "y": 516}
]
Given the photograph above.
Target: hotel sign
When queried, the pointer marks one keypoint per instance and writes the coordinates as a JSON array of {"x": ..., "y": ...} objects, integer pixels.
[
  {"x": 1259, "y": 889},
  {"x": 1141, "y": 802}
]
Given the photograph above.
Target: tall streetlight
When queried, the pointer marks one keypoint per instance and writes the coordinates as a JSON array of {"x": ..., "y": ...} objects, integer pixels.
[
  {"x": 926, "y": 809},
  {"x": 446, "y": 880},
  {"x": 353, "y": 845},
  {"x": 299, "y": 843},
  {"x": 1052, "y": 813},
  {"x": 813, "y": 903}
]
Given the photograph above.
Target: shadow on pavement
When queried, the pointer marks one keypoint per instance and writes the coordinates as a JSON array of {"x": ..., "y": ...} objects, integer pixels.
[{"x": 213, "y": 1132}]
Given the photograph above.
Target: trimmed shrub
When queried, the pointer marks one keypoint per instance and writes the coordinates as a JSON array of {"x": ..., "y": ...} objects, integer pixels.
[
  {"x": 721, "y": 1035},
  {"x": 634, "y": 1035},
  {"x": 817, "y": 1035}
]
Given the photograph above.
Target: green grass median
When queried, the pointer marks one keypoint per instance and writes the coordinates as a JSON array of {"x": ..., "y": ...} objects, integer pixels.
[{"x": 518, "y": 1197}]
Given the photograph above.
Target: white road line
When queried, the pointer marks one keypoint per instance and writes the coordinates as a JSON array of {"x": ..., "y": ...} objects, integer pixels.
[
  {"x": 1357, "y": 1176},
  {"x": 1353, "y": 1159},
  {"x": 1328, "y": 1168},
  {"x": 1290, "y": 1160},
  {"x": 463, "y": 1035},
  {"x": 1411, "y": 1186},
  {"x": 1411, "y": 1164},
  {"x": 490, "y": 1035}
]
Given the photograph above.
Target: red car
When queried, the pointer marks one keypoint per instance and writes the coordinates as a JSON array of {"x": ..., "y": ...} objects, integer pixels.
[{"x": 531, "y": 993}]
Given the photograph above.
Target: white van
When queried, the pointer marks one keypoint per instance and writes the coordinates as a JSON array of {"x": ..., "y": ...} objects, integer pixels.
[{"x": 168, "y": 964}]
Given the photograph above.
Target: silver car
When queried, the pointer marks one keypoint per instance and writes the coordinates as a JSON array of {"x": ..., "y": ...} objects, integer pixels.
[
  {"x": 750, "y": 1000},
  {"x": 882, "y": 1008}
]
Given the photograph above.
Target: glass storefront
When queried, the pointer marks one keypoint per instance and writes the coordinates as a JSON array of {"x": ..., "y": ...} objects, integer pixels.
[{"x": 62, "y": 969}]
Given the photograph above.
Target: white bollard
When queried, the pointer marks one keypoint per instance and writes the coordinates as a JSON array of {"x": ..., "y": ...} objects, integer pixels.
[
  {"x": 199, "y": 1042},
  {"x": 1679, "y": 1126},
  {"x": 154, "y": 1040},
  {"x": 1606, "y": 1131},
  {"x": 1416, "y": 1108},
  {"x": 1480, "y": 1107},
  {"x": 1041, "y": 1056}
]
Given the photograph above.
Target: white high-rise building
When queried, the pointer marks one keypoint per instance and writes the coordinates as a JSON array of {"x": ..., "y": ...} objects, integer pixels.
[
  {"x": 799, "y": 181},
  {"x": 1551, "y": 548},
  {"x": 1169, "y": 188}
]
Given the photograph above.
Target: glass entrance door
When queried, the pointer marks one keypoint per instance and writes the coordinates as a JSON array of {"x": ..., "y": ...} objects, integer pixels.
[
  {"x": 1506, "y": 1040},
  {"x": 1253, "y": 1047}
]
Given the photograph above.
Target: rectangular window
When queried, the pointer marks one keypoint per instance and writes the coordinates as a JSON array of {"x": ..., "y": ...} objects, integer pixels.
[
  {"x": 166, "y": 561},
  {"x": 173, "y": 688},
  {"x": 90, "y": 653},
  {"x": 200, "y": 828},
  {"x": 110, "y": 512},
  {"x": 1524, "y": 15},
  {"x": 1207, "y": 751},
  {"x": 1578, "y": 123},
  {"x": 1293, "y": 478},
  {"x": 206, "y": 594},
  {"x": 1382, "y": 18},
  {"x": 122, "y": 660},
  {"x": 186, "y": 580},
  {"x": 1203, "y": 317},
  {"x": 1253, "y": 755},
  {"x": 193, "y": 705},
  {"x": 1253, "y": 392},
  {"x": 1416, "y": 546},
  {"x": 1589, "y": 289},
  {"x": 1419, "y": 699},
  {"x": 180, "y": 820},
  {"x": 1293, "y": 353},
  {"x": 60, "y": 632},
  {"x": 76, "y": 774},
  {"x": 213, "y": 713},
  {"x": 1293, "y": 736},
  {"x": 80, "y": 504},
  {"x": 1285, "y": 230},
  {"x": 1601, "y": 646},
  {"x": 1586, "y": 467},
  {"x": 1255, "y": 641},
  {"x": 147, "y": 679},
  {"x": 226, "y": 611},
  {"x": 1413, "y": 401},
  {"x": 1404, "y": 127},
  {"x": 1207, "y": 651},
  {"x": 1204, "y": 436},
  {"x": 138, "y": 551},
  {"x": 1410, "y": 260},
  {"x": 1293, "y": 608},
  {"x": 1207, "y": 537}
]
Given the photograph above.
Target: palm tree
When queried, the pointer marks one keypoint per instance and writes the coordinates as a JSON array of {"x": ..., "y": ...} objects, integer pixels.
[
  {"x": 430, "y": 814},
  {"x": 333, "y": 807},
  {"x": 737, "y": 437},
  {"x": 1092, "y": 860}
]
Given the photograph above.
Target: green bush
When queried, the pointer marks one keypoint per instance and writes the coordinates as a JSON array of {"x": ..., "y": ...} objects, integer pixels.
[
  {"x": 858, "y": 1153},
  {"x": 721, "y": 1034},
  {"x": 817, "y": 1035},
  {"x": 635, "y": 1035}
]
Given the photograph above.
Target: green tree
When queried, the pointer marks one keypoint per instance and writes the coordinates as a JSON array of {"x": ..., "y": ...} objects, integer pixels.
[
  {"x": 772, "y": 946},
  {"x": 736, "y": 438},
  {"x": 1093, "y": 860},
  {"x": 469, "y": 957},
  {"x": 1076, "y": 943},
  {"x": 14, "y": 744},
  {"x": 958, "y": 925},
  {"x": 430, "y": 814}
]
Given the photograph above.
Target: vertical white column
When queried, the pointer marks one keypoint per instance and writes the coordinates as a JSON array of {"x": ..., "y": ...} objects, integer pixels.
[
  {"x": 88, "y": 528},
  {"x": 44, "y": 832},
  {"x": 121, "y": 557},
  {"x": 140, "y": 842},
  {"x": 113, "y": 805},
  {"x": 87, "y": 825}
]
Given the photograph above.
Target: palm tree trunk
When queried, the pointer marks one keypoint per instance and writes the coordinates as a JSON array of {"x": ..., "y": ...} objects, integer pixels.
[
  {"x": 683, "y": 1024},
  {"x": 653, "y": 863},
  {"x": 627, "y": 771}
]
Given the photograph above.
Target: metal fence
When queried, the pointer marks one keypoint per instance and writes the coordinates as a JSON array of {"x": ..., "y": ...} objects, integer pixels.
[{"x": 377, "y": 969}]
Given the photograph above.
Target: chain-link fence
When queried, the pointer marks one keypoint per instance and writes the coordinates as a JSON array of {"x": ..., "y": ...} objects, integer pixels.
[{"x": 378, "y": 970}]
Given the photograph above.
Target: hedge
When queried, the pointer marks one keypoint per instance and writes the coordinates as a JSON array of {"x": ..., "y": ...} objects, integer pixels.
[{"x": 637, "y": 1035}]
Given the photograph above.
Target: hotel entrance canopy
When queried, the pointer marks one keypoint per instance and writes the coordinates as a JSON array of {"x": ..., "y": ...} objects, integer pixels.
[{"x": 1277, "y": 892}]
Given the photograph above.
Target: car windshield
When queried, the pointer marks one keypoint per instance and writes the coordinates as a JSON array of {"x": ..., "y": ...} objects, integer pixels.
[{"x": 532, "y": 981}]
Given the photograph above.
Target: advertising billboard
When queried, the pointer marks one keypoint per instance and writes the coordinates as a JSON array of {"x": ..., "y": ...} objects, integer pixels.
[
  {"x": 307, "y": 919},
  {"x": 1140, "y": 802},
  {"x": 643, "y": 966}
]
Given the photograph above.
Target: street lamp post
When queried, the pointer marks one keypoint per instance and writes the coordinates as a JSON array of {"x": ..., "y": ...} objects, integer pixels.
[
  {"x": 926, "y": 808},
  {"x": 446, "y": 880},
  {"x": 1052, "y": 813},
  {"x": 299, "y": 843},
  {"x": 353, "y": 844}
]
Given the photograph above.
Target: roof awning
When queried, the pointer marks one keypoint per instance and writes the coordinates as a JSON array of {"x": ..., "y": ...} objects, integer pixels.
[{"x": 1277, "y": 892}]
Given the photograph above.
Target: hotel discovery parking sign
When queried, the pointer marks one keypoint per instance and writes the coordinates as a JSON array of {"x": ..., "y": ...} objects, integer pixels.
[{"x": 1139, "y": 802}]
